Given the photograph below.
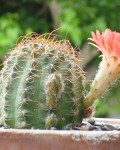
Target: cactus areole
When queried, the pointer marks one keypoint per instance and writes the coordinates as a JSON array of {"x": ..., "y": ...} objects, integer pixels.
[{"x": 41, "y": 85}]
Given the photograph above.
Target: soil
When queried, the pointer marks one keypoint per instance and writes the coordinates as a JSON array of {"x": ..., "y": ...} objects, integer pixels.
[
  {"x": 92, "y": 125},
  {"x": 87, "y": 125}
]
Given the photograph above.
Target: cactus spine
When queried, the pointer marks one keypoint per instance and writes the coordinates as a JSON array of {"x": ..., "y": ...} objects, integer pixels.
[{"x": 41, "y": 85}]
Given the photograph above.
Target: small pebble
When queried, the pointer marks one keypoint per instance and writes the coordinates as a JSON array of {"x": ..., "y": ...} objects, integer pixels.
[
  {"x": 84, "y": 128},
  {"x": 118, "y": 128},
  {"x": 32, "y": 128},
  {"x": 85, "y": 123},
  {"x": 67, "y": 127},
  {"x": 105, "y": 128},
  {"x": 111, "y": 127},
  {"x": 99, "y": 124},
  {"x": 53, "y": 128},
  {"x": 91, "y": 121},
  {"x": 1, "y": 126},
  {"x": 98, "y": 129},
  {"x": 76, "y": 128},
  {"x": 92, "y": 127}
]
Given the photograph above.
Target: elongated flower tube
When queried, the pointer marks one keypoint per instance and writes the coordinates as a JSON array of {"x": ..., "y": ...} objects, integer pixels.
[{"x": 109, "y": 44}]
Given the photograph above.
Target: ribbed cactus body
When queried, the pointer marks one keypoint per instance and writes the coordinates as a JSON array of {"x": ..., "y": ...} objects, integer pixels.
[{"x": 41, "y": 85}]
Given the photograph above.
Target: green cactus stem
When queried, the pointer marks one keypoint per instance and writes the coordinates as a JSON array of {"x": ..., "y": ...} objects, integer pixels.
[{"x": 41, "y": 85}]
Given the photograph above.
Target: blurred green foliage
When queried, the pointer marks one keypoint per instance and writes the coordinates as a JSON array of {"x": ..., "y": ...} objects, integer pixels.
[
  {"x": 75, "y": 20},
  {"x": 82, "y": 16},
  {"x": 9, "y": 31},
  {"x": 18, "y": 18}
]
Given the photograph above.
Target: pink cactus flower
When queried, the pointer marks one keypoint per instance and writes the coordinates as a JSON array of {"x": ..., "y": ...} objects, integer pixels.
[{"x": 108, "y": 42}]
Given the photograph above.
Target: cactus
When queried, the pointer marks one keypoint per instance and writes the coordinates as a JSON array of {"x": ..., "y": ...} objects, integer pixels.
[{"x": 42, "y": 85}]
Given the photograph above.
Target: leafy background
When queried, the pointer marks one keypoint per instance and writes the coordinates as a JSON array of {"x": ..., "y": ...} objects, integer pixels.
[{"x": 73, "y": 20}]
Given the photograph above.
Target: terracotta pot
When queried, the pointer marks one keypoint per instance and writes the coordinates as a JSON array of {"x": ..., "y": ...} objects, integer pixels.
[{"x": 12, "y": 139}]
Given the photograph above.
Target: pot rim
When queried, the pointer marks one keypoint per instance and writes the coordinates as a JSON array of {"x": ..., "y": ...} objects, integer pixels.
[
  {"x": 73, "y": 133},
  {"x": 27, "y": 139}
]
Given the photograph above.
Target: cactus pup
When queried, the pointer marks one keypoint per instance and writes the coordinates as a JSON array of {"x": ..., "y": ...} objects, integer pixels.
[
  {"x": 109, "y": 44},
  {"x": 41, "y": 84}
]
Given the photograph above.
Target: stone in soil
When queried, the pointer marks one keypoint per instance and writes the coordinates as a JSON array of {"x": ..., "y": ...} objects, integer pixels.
[
  {"x": 99, "y": 124},
  {"x": 91, "y": 121},
  {"x": 111, "y": 127},
  {"x": 53, "y": 128},
  {"x": 92, "y": 127},
  {"x": 105, "y": 128},
  {"x": 2, "y": 127},
  {"x": 67, "y": 127}
]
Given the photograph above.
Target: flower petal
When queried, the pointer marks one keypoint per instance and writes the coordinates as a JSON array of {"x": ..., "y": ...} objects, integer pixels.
[{"x": 108, "y": 42}]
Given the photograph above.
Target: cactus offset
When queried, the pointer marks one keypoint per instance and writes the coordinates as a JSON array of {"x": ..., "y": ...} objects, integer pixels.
[{"x": 41, "y": 85}]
